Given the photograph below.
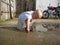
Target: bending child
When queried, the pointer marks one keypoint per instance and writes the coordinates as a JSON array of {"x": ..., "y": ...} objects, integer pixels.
[{"x": 25, "y": 19}]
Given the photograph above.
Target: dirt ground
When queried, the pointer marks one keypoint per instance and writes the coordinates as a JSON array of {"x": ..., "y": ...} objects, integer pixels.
[{"x": 10, "y": 35}]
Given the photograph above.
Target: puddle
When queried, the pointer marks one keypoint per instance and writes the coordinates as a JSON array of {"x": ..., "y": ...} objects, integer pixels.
[{"x": 43, "y": 27}]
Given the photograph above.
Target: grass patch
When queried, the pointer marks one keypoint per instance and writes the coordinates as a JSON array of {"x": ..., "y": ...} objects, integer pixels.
[{"x": 1, "y": 21}]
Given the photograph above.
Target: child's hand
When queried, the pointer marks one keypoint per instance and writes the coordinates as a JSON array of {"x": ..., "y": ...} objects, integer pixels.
[{"x": 28, "y": 30}]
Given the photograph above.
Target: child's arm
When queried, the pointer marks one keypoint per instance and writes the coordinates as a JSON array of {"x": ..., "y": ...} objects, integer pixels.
[{"x": 28, "y": 21}]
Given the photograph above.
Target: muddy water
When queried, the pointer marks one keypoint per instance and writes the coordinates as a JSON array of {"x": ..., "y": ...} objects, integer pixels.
[
  {"x": 9, "y": 35},
  {"x": 46, "y": 26}
]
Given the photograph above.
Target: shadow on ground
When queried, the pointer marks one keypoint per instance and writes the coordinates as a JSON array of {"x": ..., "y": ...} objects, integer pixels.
[{"x": 9, "y": 28}]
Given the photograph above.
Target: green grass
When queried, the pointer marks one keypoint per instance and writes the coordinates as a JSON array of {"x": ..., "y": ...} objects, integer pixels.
[{"x": 1, "y": 21}]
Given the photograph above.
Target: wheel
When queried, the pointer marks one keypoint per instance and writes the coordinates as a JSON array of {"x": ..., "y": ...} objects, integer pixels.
[
  {"x": 58, "y": 15},
  {"x": 45, "y": 15}
]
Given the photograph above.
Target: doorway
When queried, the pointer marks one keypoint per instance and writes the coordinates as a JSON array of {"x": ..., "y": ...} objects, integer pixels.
[{"x": 29, "y": 5}]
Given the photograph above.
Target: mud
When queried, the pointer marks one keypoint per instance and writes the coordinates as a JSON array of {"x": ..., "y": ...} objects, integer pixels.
[{"x": 10, "y": 35}]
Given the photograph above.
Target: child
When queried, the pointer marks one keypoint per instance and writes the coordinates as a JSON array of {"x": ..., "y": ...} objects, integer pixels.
[{"x": 25, "y": 19}]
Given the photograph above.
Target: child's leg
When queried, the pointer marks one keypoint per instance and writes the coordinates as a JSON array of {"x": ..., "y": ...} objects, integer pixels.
[{"x": 19, "y": 25}]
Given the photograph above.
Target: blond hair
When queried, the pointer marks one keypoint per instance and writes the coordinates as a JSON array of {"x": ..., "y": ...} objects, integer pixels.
[{"x": 39, "y": 13}]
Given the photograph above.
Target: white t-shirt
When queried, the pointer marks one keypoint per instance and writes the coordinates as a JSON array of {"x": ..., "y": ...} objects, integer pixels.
[{"x": 22, "y": 17}]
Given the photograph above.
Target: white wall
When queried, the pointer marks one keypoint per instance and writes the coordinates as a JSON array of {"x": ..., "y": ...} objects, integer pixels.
[{"x": 43, "y": 4}]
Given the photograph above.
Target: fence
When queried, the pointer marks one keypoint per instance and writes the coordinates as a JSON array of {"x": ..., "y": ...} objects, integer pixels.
[{"x": 6, "y": 9}]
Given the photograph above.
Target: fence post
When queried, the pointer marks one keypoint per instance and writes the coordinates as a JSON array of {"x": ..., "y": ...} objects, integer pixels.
[
  {"x": 10, "y": 9},
  {"x": 0, "y": 9}
]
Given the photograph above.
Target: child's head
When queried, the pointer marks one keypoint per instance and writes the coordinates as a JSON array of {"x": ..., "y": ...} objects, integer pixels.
[{"x": 37, "y": 14}]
